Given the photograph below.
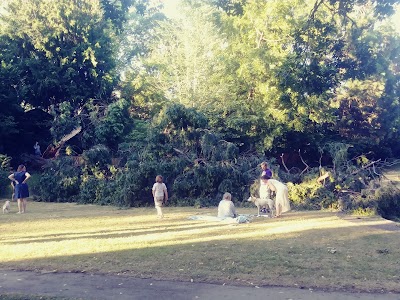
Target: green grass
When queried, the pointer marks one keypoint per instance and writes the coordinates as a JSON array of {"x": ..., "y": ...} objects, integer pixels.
[{"x": 309, "y": 249}]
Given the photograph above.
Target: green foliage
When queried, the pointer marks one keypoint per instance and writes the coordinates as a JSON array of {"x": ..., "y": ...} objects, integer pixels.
[
  {"x": 64, "y": 120},
  {"x": 116, "y": 123},
  {"x": 5, "y": 162},
  {"x": 67, "y": 58},
  {"x": 5, "y": 187},
  {"x": 4, "y": 173},
  {"x": 388, "y": 202},
  {"x": 99, "y": 191},
  {"x": 366, "y": 212},
  {"x": 34, "y": 184},
  {"x": 202, "y": 97},
  {"x": 311, "y": 195},
  {"x": 60, "y": 182}
]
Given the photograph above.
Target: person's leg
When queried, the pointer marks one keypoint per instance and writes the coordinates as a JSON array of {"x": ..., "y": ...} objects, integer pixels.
[
  {"x": 159, "y": 211},
  {"x": 24, "y": 201},
  {"x": 19, "y": 206},
  {"x": 278, "y": 210}
]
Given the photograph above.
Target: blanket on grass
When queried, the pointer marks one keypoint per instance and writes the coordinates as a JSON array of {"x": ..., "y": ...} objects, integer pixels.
[{"x": 239, "y": 219}]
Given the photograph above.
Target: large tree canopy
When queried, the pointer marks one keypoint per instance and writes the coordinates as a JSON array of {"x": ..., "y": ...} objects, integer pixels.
[
  {"x": 199, "y": 95},
  {"x": 57, "y": 56}
]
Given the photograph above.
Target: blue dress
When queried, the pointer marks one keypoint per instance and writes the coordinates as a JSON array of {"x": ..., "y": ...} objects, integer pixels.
[{"x": 21, "y": 189}]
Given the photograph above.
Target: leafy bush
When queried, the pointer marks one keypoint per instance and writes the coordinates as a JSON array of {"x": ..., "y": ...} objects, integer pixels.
[
  {"x": 60, "y": 181},
  {"x": 198, "y": 166},
  {"x": 34, "y": 184},
  {"x": 99, "y": 191},
  {"x": 112, "y": 128},
  {"x": 310, "y": 195},
  {"x": 97, "y": 158},
  {"x": 388, "y": 202},
  {"x": 5, "y": 186}
]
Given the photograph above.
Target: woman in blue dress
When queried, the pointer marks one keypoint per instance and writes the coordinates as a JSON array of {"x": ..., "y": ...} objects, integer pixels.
[{"x": 21, "y": 188}]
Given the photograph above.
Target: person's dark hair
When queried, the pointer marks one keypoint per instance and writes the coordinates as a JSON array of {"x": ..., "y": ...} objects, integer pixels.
[
  {"x": 265, "y": 177},
  {"x": 20, "y": 168}
]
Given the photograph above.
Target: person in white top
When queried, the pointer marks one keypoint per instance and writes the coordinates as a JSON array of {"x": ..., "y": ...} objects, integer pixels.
[
  {"x": 160, "y": 195},
  {"x": 226, "y": 208},
  {"x": 282, "y": 203},
  {"x": 265, "y": 191}
]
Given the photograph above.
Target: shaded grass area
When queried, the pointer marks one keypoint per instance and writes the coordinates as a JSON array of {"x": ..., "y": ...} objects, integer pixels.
[
  {"x": 303, "y": 249},
  {"x": 30, "y": 297}
]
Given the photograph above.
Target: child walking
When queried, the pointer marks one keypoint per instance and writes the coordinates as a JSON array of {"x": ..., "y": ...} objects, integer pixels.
[{"x": 160, "y": 195}]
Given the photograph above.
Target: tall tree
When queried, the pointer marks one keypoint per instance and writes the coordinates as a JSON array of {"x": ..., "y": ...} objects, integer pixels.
[
  {"x": 60, "y": 56},
  {"x": 294, "y": 55}
]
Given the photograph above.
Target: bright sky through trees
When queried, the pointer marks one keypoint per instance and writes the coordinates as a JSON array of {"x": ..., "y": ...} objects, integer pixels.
[{"x": 171, "y": 8}]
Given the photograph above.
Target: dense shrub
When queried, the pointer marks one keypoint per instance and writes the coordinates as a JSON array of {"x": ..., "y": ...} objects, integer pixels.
[
  {"x": 34, "y": 184},
  {"x": 99, "y": 191},
  {"x": 5, "y": 186},
  {"x": 198, "y": 166},
  {"x": 388, "y": 202},
  {"x": 60, "y": 181},
  {"x": 311, "y": 195}
]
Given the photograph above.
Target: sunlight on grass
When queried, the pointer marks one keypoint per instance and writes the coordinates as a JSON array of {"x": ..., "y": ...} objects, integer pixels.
[
  {"x": 299, "y": 246},
  {"x": 81, "y": 235}
]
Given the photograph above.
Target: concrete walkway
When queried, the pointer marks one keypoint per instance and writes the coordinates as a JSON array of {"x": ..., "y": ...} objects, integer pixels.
[{"x": 86, "y": 286}]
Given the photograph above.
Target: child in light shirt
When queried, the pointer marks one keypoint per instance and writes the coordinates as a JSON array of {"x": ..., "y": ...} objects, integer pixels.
[{"x": 160, "y": 195}]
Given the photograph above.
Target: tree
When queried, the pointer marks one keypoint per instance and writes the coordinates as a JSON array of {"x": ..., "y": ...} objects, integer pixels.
[
  {"x": 295, "y": 55},
  {"x": 60, "y": 56}
]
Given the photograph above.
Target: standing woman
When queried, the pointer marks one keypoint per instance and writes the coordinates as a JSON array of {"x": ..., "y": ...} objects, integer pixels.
[
  {"x": 21, "y": 188},
  {"x": 282, "y": 203}
]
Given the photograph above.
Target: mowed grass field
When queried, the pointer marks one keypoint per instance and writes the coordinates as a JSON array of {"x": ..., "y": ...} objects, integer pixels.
[{"x": 315, "y": 249}]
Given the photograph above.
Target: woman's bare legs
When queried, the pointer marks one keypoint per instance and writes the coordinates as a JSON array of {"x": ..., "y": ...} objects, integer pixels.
[
  {"x": 20, "y": 206},
  {"x": 24, "y": 201}
]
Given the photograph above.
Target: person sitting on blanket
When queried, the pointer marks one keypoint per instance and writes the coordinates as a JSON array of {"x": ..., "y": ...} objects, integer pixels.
[{"x": 226, "y": 208}]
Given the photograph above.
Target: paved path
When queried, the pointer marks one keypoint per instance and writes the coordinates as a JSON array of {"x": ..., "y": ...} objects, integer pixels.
[{"x": 86, "y": 286}]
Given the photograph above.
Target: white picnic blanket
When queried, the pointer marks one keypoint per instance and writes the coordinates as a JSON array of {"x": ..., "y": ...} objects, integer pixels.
[{"x": 228, "y": 220}]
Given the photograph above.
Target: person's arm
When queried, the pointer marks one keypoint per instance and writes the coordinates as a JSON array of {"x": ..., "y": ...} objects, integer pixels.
[
  {"x": 153, "y": 190},
  {"x": 233, "y": 208},
  {"x": 11, "y": 177},
  {"x": 27, "y": 176},
  {"x": 271, "y": 186},
  {"x": 165, "y": 194}
]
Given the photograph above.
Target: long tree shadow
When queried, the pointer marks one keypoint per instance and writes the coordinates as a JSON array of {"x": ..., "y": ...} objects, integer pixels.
[
  {"x": 102, "y": 234},
  {"x": 348, "y": 258}
]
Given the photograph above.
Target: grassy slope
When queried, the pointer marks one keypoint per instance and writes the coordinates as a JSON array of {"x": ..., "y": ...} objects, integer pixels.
[{"x": 310, "y": 249}]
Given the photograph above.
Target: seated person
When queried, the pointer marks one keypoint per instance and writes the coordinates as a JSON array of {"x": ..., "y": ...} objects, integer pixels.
[{"x": 226, "y": 208}]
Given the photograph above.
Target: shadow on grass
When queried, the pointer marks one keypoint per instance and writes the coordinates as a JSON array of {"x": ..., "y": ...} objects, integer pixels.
[
  {"x": 105, "y": 234},
  {"x": 349, "y": 258}
]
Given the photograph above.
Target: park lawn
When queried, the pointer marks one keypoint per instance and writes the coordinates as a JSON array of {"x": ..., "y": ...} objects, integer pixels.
[{"x": 314, "y": 249}]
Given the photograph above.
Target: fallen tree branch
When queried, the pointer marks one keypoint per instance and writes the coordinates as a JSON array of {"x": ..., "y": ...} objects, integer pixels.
[
  {"x": 350, "y": 191},
  {"x": 302, "y": 160},
  {"x": 366, "y": 166},
  {"x": 323, "y": 177},
  {"x": 284, "y": 165}
]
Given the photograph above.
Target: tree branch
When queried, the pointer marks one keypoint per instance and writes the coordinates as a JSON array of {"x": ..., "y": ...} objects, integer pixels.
[{"x": 284, "y": 165}]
